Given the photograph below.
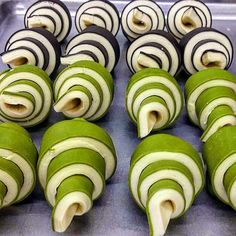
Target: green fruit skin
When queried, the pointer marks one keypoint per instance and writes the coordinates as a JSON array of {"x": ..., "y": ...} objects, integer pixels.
[
  {"x": 74, "y": 128},
  {"x": 218, "y": 148},
  {"x": 17, "y": 140},
  {"x": 76, "y": 183},
  {"x": 155, "y": 188},
  {"x": 77, "y": 156}
]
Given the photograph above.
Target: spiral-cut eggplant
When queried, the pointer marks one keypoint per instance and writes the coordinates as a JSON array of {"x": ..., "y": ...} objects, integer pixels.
[
  {"x": 166, "y": 174},
  {"x": 219, "y": 152},
  {"x": 76, "y": 157},
  {"x": 101, "y": 13},
  {"x": 205, "y": 48},
  {"x": 18, "y": 158},
  {"x": 153, "y": 100},
  {"x": 187, "y": 15},
  {"x": 155, "y": 49},
  {"x": 25, "y": 95},
  {"x": 52, "y": 15},
  {"x": 35, "y": 47},
  {"x": 93, "y": 44},
  {"x": 141, "y": 16},
  {"x": 211, "y": 100},
  {"x": 84, "y": 89}
]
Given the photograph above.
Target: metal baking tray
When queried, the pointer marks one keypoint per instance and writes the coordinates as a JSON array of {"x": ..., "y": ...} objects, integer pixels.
[{"x": 115, "y": 213}]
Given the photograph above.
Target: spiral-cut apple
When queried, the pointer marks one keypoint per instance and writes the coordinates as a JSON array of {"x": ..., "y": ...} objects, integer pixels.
[
  {"x": 25, "y": 96},
  {"x": 211, "y": 100},
  {"x": 187, "y": 15},
  {"x": 76, "y": 158},
  {"x": 153, "y": 100},
  {"x": 219, "y": 152},
  {"x": 84, "y": 89},
  {"x": 166, "y": 174},
  {"x": 52, "y": 15},
  {"x": 141, "y": 16},
  {"x": 100, "y": 13},
  {"x": 205, "y": 48},
  {"x": 17, "y": 164}
]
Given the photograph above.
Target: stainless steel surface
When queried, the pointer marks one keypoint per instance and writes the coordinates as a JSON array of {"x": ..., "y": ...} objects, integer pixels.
[{"x": 116, "y": 213}]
